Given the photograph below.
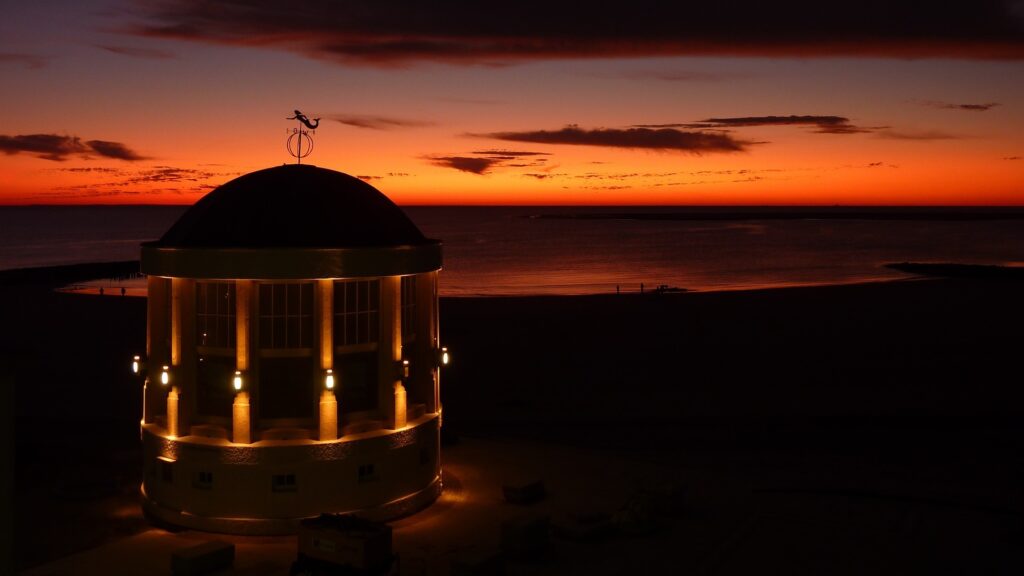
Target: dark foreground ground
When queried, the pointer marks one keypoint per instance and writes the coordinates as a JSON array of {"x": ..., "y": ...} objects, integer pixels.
[{"x": 848, "y": 429}]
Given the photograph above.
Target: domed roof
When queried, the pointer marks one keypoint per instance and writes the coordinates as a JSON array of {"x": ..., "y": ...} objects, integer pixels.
[{"x": 293, "y": 206}]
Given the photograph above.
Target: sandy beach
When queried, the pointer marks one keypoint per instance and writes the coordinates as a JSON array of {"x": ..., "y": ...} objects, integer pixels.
[{"x": 833, "y": 406}]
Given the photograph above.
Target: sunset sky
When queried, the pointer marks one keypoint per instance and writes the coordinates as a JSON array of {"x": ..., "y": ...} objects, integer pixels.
[{"x": 526, "y": 103}]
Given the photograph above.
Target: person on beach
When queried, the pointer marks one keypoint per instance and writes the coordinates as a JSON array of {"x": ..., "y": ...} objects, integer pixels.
[
  {"x": 122, "y": 291},
  {"x": 101, "y": 290}
]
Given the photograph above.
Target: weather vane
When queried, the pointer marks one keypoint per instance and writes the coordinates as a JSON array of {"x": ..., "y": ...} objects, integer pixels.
[{"x": 294, "y": 143}]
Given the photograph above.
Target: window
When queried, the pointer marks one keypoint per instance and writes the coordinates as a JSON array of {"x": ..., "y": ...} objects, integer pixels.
[
  {"x": 215, "y": 314},
  {"x": 214, "y": 392},
  {"x": 408, "y": 308},
  {"x": 215, "y": 343},
  {"x": 203, "y": 481},
  {"x": 283, "y": 483},
  {"x": 357, "y": 374},
  {"x": 356, "y": 305},
  {"x": 286, "y": 361},
  {"x": 286, "y": 315},
  {"x": 367, "y": 473}
]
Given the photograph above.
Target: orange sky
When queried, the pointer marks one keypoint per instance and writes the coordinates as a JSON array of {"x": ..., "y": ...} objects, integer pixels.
[{"x": 185, "y": 116}]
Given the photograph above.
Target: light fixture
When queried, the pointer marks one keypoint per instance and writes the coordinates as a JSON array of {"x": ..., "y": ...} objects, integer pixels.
[
  {"x": 329, "y": 379},
  {"x": 165, "y": 375},
  {"x": 405, "y": 368},
  {"x": 445, "y": 358},
  {"x": 237, "y": 380},
  {"x": 136, "y": 365}
]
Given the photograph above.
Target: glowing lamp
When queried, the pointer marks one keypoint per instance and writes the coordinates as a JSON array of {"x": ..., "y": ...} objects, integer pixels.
[
  {"x": 329, "y": 379},
  {"x": 403, "y": 369},
  {"x": 445, "y": 358},
  {"x": 165, "y": 375},
  {"x": 237, "y": 380},
  {"x": 136, "y": 365}
]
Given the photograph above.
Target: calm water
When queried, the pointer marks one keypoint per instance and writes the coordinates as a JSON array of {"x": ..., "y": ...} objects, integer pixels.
[{"x": 490, "y": 251}]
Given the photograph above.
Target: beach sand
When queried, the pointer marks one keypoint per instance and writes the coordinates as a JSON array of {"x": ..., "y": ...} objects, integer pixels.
[{"x": 841, "y": 429}]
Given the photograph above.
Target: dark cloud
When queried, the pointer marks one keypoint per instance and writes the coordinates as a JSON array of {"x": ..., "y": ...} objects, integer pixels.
[
  {"x": 665, "y": 139},
  {"x": 378, "y": 122},
  {"x": 951, "y": 106},
  {"x": 165, "y": 174},
  {"x": 136, "y": 52},
  {"x": 673, "y": 75},
  {"x": 58, "y": 147},
  {"x": 923, "y": 135},
  {"x": 367, "y": 178},
  {"x": 33, "y": 61},
  {"x": 1012, "y": 158},
  {"x": 822, "y": 124},
  {"x": 473, "y": 165},
  {"x": 96, "y": 170},
  {"x": 483, "y": 161},
  {"x": 509, "y": 154},
  {"x": 389, "y": 33},
  {"x": 114, "y": 150}
]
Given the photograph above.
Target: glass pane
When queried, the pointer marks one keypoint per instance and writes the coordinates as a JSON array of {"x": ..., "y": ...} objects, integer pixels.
[
  {"x": 293, "y": 332},
  {"x": 350, "y": 329},
  {"x": 339, "y": 296},
  {"x": 266, "y": 334},
  {"x": 210, "y": 294},
  {"x": 374, "y": 321},
  {"x": 265, "y": 299},
  {"x": 307, "y": 298},
  {"x": 350, "y": 297},
  {"x": 279, "y": 300},
  {"x": 214, "y": 393},
  {"x": 279, "y": 333},
  {"x": 357, "y": 374},
  {"x": 374, "y": 286},
  {"x": 293, "y": 299},
  {"x": 286, "y": 387},
  {"x": 306, "y": 331}
]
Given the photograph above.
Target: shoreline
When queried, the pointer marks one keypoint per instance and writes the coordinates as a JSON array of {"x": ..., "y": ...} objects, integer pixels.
[
  {"x": 70, "y": 278},
  {"x": 76, "y": 279}
]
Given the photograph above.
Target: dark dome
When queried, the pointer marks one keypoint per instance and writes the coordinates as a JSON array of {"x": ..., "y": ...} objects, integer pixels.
[{"x": 293, "y": 206}]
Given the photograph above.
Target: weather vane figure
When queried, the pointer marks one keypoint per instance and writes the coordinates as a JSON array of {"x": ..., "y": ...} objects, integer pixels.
[{"x": 294, "y": 143}]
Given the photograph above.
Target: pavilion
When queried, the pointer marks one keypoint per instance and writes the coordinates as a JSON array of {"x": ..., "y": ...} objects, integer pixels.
[{"x": 292, "y": 357}]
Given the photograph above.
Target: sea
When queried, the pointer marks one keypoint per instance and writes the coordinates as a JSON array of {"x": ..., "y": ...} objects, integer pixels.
[{"x": 533, "y": 250}]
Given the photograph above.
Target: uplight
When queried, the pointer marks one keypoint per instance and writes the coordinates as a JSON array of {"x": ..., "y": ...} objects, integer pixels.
[
  {"x": 165, "y": 375},
  {"x": 135, "y": 364},
  {"x": 237, "y": 381},
  {"x": 329, "y": 379},
  {"x": 444, "y": 356}
]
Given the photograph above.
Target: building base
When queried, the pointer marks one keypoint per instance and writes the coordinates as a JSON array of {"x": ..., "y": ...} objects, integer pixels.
[{"x": 283, "y": 526}]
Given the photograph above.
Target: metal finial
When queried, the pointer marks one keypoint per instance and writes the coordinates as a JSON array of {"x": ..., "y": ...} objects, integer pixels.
[{"x": 294, "y": 143}]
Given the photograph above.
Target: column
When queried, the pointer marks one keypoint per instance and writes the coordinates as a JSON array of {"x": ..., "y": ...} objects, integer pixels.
[
  {"x": 328, "y": 416},
  {"x": 328, "y": 413},
  {"x": 157, "y": 338},
  {"x": 243, "y": 297},
  {"x": 241, "y": 425},
  {"x": 390, "y": 347},
  {"x": 173, "y": 423},
  {"x": 183, "y": 349},
  {"x": 425, "y": 367},
  {"x": 241, "y": 421},
  {"x": 326, "y": 289}
]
